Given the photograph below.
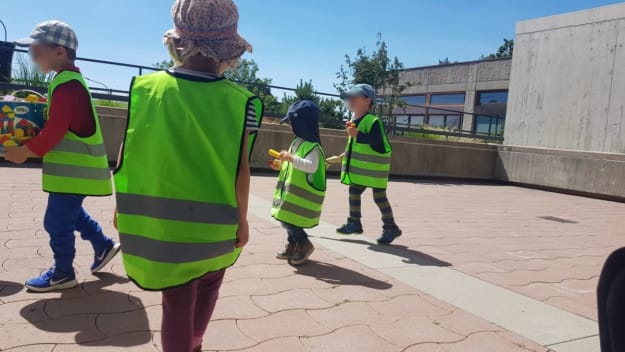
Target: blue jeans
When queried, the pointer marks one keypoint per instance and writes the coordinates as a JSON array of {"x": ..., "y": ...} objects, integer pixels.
[
  {"x": 65, "y": 215},
  {"x": 295, "y": 234}
]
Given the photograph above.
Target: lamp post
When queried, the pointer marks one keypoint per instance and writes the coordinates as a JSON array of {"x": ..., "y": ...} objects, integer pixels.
[
  {"x": 100, "y": 83},
  {"x": 5, "y": 31},
  {"x": 6, "y": 56}
]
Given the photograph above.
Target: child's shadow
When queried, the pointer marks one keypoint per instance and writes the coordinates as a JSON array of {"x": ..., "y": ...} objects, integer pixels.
[
  {"x": 100, "y": 317},
  {"x": 409, "y": 256},
  {"x": 9, "y": 288},
  {"x": 336, "y": 275}
]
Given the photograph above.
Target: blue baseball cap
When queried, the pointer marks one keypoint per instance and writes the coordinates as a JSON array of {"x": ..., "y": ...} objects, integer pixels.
[
  {"x": 304, "y": 109},
  {"x": 364, "y": 90}
]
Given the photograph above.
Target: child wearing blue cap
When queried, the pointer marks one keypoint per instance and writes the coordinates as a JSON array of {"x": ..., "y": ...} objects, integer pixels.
[
  {"x": 299, "y": 195},
  {"x": 367, "y": 163}
]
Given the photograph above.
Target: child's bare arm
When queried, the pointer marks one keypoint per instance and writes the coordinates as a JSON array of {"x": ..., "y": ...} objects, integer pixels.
[{"x": 243, "y": 195}]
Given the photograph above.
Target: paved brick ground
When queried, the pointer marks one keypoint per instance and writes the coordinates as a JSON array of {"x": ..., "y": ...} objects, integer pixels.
[
  {"x": 333, "y": 303},
  {"x": 545, "y": 245}
]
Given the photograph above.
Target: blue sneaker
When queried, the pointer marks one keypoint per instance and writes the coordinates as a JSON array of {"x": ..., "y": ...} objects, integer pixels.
[
  {"x": 388, "y": 236},
  {"x": 101, "y": 258},
  {"x": 52, "y": 280},
  {"x": 350, "y": 228}
]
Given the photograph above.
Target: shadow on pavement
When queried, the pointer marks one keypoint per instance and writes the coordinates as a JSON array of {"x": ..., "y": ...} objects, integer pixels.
[
  {"x": 410, "y": 256},
  {"x": 94, "y": 317},
  {"x": 9, "y": 288},
  {"x": 336, "y": 275}
]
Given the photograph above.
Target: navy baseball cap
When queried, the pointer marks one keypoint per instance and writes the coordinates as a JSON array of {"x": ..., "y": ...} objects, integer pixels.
[
  {"x": 365, "y": 90},
  {"x": 51, "y": 32},
  {"x": 304, "y": 109}
]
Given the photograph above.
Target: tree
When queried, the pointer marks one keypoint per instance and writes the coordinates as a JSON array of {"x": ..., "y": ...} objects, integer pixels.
[
  {"x": 378, "y": 70},
  {"x": 332, "y": 111},
  {"x": 163, "y": 65},
  {"x": 246, "y": 74},
  {"x": 505, "y": 50},
  {"x": 446, "y": 61}
]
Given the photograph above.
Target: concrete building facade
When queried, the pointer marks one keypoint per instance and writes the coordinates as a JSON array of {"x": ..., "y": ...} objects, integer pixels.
[
  {"x": 565, "y": 125},
  {"x": 449, "y": 95}
]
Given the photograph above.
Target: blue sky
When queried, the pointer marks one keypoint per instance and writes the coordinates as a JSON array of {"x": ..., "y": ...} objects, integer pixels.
[{"x": 293, "y": 39}]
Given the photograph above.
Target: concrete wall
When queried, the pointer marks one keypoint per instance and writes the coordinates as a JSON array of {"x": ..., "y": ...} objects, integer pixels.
[
  {"x": 410, "y": 158},
  {"x": 599, "y": 174},
  {"x": 460, "y": 77},
  {"x": 113, "y": 124},
  {"x": 565, "y": 126},
  {"x": 567, "y": 86}
]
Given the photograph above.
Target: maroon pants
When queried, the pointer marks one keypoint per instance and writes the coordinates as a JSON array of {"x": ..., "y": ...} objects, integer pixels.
[{"x": 186, "y": 312}]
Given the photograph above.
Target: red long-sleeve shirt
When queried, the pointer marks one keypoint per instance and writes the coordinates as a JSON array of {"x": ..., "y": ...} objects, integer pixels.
[{"x": 70, "y": 110}]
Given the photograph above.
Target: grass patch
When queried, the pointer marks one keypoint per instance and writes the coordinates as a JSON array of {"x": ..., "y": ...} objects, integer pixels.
[{"x": 111, "y": 103}]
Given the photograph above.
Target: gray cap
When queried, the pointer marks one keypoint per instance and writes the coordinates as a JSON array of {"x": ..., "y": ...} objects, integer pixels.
[
  {"x": 51, "y": 32},
  {"x": 365, "y": 90}
]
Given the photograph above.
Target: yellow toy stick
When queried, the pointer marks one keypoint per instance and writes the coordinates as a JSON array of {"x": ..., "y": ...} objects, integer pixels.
[
  {"x": 274, "y": 153},
  {"x": 334, "y": 159}
]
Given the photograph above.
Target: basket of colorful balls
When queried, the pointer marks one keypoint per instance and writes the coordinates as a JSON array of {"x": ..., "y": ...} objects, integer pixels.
[{"x": 21, "y": 119}]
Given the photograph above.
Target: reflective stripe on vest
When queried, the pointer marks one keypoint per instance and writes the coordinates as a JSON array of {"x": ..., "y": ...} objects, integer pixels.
[
  {"x": 366, "y": 172},
  {"x": 298, "y": 197},
  {"x": 301, "y": 192},
  {"x": 70, "y": 171},
  {"x": 174, "y": 252},
  {"x": 377, "y": 159},
  {"x": 178, "y": 216},
  {"x": 77, "y": 165},
  {"x": 364, "y": 166},
  {"x": 71, "y": 146},
  {"x": 177, "y": 210},
  {"x": 296, "y": 209}
]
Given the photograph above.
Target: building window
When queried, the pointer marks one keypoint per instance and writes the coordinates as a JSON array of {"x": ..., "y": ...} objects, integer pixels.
[
  {"x": 402, "y": 121},
  {"x": 413, "y": 99},
  {"x": 452, "y": 122},
  {"x": 489, "y": 125},
  {"x": 446, "y": 122},
  {"x": 417, "y": 121},
  {"x": 447, "y": 99},
  {"x": 409, "y": 121},
  {"x": 495, "y": 97}
]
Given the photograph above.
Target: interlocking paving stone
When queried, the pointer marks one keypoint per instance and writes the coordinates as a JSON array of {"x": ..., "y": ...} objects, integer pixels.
[
  {"x": 351, "y": 338},
  {"x": 334, "y": 303},
  {"x": 288, "y": 323},
  {"x": 287, "y": 344},
  {"x": 291, "y": 299}
]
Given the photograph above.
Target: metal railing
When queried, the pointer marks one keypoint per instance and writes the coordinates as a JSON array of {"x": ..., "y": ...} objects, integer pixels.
[
  {"x": 105, "y": 93},
  {"x": 494, "y": 133},
  {"x": 122, "y": 95}
]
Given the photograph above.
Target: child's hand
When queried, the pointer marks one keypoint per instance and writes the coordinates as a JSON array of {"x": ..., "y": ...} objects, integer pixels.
[
  {"x": 352, "y": 131},
  {"x": 286, "y": 156},
  {"x": 17, "y": 155},
  {"x": 243, "y": 234},
  {"x": 275, "y": 164}
]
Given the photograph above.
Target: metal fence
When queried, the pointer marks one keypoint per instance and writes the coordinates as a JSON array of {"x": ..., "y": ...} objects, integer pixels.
[
  {"x": 104, "y": 93},
  {"x": 414, "y": 125},
  {"x": 122, "y": 95}
]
